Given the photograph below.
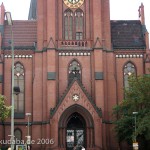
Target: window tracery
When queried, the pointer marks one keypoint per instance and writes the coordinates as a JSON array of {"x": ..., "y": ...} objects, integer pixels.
[
  {"x": 73, "y": 24},
  {"x": 129, "y": 69},
  {"x": 19, "y": 74},
  {"x": 74, "y": 70}
]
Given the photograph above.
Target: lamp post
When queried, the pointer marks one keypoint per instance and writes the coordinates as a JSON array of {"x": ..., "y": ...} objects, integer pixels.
[
  {"x": 28, "y": 115},
  {"x": 135, "y": 144},
  {"x": 135, "y": 113},
  {"x": 28, "y": 133},
  {"x": 9, "y": 19}
]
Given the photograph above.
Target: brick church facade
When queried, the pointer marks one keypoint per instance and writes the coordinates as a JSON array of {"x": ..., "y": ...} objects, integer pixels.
[{"x": 71, "y": 64}]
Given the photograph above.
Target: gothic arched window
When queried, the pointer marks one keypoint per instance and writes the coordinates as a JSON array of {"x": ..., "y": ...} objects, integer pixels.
[
  {"x": 19, "y": 81},
  {"x": 74, "y": 71},
  {"x": 79, "y": 24},
  {"x": 129, "y": 69},
  {"x": 68, "y": 24},
  {"x": 73, "y": 24}
]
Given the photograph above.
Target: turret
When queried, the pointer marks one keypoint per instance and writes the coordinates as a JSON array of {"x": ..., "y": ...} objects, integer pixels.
[
  {"x": 2, "y": 18},
  {"x": 2, "y": 14},
  {"x": 141, "y": 14},
  {"x": 142, "y": 19}
]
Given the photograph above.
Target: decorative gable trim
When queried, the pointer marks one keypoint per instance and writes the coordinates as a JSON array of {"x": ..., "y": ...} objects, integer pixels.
[
  {"x": 98, "y": 44},
  {"x": 85, "y": 99},
  {"x": 129, "y": 56},
  {"x": 51, "y": 44},
  {"x": 74, "y": 54},
  {"x": 19, "y": 56},
  {"x": 147, "y": 58}
]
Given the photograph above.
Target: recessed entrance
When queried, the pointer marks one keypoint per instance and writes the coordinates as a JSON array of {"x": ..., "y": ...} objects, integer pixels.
[
  {"x": 75, "y": 132},
  {"x": 76, "y": 128}
]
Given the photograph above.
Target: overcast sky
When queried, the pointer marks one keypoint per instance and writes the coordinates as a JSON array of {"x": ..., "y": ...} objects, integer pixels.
[{"x": 119, "y": 9}]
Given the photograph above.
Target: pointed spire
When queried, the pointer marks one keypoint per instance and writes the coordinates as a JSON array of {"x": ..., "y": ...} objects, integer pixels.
[
  {"x": 2, "y": 14},
  {"x": 32, "y": 10},
  {"x": 141, "y": 14}
]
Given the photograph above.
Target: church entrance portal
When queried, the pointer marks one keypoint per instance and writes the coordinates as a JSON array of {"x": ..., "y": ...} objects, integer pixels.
[
  {"x": 76, "y": 128},
  {"x": 75, "y": 132}
]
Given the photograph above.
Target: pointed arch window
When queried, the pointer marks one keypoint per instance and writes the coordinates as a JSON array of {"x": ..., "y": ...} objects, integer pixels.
[
  {"x": 79, "y": 24},
  {"x": 129, "y": 69},
  {"x": 68, "y": 24},
  {"x": 74, "y": 71},
  {"x": 19, "y": 81},
  {"x": 18, "y": 134},
  {"x": 73, "y": 24}
]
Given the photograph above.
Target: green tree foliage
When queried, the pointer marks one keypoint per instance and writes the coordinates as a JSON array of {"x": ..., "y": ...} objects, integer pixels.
[
  {"x": 137, "y": 99},
  {"x": 4, "y": 110}
]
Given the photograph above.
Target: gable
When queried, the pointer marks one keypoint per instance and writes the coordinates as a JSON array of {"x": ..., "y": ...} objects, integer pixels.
[{"x": 76, "y": 95}]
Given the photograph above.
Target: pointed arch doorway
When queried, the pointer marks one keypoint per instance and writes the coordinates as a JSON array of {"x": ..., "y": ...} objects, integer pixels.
[
  {"x": 75, "y": 132},
  {"x": 76, "y": 128}
]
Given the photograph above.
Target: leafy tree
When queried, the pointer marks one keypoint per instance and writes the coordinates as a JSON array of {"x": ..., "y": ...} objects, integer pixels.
[
  {"x": 137, "y": 99},
  {"x": 4, "y": 111}
]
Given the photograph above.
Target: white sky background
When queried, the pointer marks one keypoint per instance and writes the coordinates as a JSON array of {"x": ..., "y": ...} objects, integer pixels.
[{"x": 119, "y": 9}]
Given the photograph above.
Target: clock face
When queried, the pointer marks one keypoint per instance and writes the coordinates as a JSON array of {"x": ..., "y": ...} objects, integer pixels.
[{"x": 73, "y": 3}]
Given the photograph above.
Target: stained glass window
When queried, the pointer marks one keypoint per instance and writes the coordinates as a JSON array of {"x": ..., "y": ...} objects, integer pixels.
[
  {"x": 19, "y": 82},
  {"x": 79, "y": 24},
  {"x": 74, "y": 70},
  {"x": 68, "y": 24},
  {"x": 73, "y": 24},
  {"x": 129, "y": 69},
  {"x": 70, "y": 138}
]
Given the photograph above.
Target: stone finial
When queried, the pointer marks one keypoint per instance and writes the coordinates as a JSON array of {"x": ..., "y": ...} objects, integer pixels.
[
  {"x": 141, "y": 14},
  {"x": 2, "y": 14}
]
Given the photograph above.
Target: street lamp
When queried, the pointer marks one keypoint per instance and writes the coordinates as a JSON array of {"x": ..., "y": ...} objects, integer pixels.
[
  {"x": 14, "y": 89},
  {"x": 135, "y": 113},
  {"x": 9, "y": 19},
  {"x": 28, "y": 115},
  {"x": 135, "y": 144},
  {"x": 28, "y": 134}
]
